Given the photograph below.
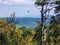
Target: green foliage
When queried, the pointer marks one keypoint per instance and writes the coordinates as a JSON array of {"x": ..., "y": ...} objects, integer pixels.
[
  {"x": 41, "y": 2},
  {"x": 54, "y": 30},
  {"x": 22, "y": 36},
  {"x": 26, "y": 36}
]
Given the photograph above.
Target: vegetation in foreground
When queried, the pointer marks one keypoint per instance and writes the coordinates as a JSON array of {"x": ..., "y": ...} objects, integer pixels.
[{"x": 10, "y": 35}]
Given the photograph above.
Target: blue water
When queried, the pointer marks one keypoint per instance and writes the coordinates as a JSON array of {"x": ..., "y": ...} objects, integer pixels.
[{"x": 28, "y": 22}]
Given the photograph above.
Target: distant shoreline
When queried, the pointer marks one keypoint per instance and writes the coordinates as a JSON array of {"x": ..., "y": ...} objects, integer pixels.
[
  {"x": 22, "y": 17},
  {"x": 27, "y": 21}
]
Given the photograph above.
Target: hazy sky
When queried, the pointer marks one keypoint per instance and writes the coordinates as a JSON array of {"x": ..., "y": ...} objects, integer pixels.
[{"x": 20, "y": 7}]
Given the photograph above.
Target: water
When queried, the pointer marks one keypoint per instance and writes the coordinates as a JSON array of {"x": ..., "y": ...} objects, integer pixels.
[{"x": 28, "y": 22}]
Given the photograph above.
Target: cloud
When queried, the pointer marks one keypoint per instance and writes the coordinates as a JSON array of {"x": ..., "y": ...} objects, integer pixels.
[{"x": 17, "y": 2}]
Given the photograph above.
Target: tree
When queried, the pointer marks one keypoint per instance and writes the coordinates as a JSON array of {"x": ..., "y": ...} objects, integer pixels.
[
  {"x": 3, "y": 39},
  {"x": 55, "y": 23},
  {"x": 42, "y": 4},
  {"x": 12, "y": 21},
  {"x": 57, "y": 11},
  {"x": 54, "y": 29}
]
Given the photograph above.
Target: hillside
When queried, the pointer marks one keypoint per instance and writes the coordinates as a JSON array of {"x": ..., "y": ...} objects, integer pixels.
[{"x": 4, "y": 25}]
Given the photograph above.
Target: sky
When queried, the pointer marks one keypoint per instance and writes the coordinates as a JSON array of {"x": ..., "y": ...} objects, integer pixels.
[{"x": 20, "y": 7}]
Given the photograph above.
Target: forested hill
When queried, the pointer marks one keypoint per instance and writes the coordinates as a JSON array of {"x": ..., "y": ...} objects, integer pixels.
[{"x": 4, "y": 25}]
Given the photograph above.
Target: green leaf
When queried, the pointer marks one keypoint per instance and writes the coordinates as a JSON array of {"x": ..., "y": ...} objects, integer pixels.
[
  {"x": 58, "y": 2},
  {"x": 38, "y": 1},
  {"x": 41, "y": 2}
]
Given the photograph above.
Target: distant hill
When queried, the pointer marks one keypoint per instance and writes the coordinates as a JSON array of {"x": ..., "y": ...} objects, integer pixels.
[
  {"x": 3, "y": 21},
  {"x": 4, "y": 25}
]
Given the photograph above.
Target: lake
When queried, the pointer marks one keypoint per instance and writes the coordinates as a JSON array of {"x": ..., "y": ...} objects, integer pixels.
[{"x": 28, "y": 22}]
